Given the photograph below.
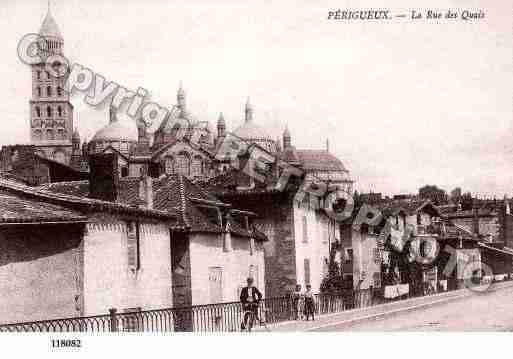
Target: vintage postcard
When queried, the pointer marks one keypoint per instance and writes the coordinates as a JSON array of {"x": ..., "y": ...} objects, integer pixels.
[{"x": 221, "y": 166}]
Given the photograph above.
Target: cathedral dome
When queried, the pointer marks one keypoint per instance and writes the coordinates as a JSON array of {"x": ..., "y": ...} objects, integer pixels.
[
  {"x": 250, "y": 132},
  {"x": 122, "y": 129}
]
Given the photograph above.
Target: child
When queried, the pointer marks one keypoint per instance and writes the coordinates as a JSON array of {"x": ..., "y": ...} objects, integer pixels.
[
  {"x": 309, "y": 302},
  {"x": 297, "y": 297}
]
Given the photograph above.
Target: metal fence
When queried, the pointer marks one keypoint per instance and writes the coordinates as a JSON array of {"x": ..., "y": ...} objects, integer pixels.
[{"x": 223, "y": 317}]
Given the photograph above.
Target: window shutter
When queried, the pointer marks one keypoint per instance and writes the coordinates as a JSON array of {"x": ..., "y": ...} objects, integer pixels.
[
  {"x": 307, "y": 271},
  {"x": 305, "y": 230},
  {"x": 133, "y": 246}
]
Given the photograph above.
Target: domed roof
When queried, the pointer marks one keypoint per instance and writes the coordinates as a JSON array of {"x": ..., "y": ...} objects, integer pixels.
[
  {"x": 251, "y": 131},
  {"x": 49, "y": 27},
  {"x": 121, "y": 128}
]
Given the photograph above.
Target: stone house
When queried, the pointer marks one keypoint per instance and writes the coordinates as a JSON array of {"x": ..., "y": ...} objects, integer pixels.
[
  {"x": 214, "y": 247},
  {"x": 67, "y": 256}
]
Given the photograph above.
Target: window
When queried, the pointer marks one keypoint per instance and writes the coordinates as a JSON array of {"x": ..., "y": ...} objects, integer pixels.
[
  {"x": 133, "y": 244},
  {"x": 38, "y": 89},
  {"x": 183, "y": 164},
  {"x": 349, "y": 255},
  {"x": 59, "y": 111},
  {"x": 37, "y": 134},
  {"x": 60, "y": 134},
  {"x": 47, "y": 75},
  {"x": 215, "y": 284},
  {"x": 419, "y": 219},
  {"x": 39, "y": 75},
  {"x": 305, "y": 230},
  {"x": 124, "y": 171},
  {"x": 196, "y": 167},
  {"x": 38, "y": 111},
  {"x": 49, "y": 91},
  {"x": 50, "y": 135},
  {"x": 169, "y": 165},
  {"x": 59, "y": 91},
  {"x": 49, "y": 111},
  {"x": 307, "y": 271},
  {"x": 253, "y": 273}
]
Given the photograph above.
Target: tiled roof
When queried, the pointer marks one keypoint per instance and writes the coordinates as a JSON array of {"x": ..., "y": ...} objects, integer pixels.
[
  {"x": 175, "y": 193},
  {"x": 319, "y": 160},
  {"x": 237, "y": 182},
  {"x": 74, "y": 188},
  {"x": 482, "y": 212},
  {"x": 16, "y": 209},
  {"x": 83, "y": 203}
]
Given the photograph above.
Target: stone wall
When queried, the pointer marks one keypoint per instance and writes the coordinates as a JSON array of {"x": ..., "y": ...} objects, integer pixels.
[
  {"x": 110, "y": 282},
  {"x": 41, "y": 273}
]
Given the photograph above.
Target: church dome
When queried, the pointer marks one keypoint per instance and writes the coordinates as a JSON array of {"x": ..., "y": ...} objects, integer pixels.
[
  {"x": 122, "y": 129},
  {"x": 250, "y": 132}
]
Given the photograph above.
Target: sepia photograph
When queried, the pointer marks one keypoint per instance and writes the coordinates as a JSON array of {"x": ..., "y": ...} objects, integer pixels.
[{"x": 255, "y": 167}]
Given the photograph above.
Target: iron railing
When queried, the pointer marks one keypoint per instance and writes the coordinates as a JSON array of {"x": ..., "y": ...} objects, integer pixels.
[{"x": 222, "y": 317}]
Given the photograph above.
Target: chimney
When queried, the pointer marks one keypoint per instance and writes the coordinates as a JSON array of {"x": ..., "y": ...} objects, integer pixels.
[
  {"x": 104, "y": 176},
  {"x": 146, "y": 191}
]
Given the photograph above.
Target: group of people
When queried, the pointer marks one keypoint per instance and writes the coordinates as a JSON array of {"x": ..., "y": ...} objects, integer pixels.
[{"x": 303, "y": 303}]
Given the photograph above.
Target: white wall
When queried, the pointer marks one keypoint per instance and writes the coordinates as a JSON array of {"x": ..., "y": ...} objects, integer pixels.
[
  {"x": 108, "y": 281},
  {"x": 206, "y": 251},
  {"x": 316, "y": 249}
]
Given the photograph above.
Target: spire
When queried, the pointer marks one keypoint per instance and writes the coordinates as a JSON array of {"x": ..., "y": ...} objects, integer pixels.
[
  {"x": 49, "y": 27},
  {"x": 76, "y": 136},
  {"x": 180, "y": 96},
  {"x": 112, "y": 115},
  {"x": 249, "y": 111},
  {"x": 221, "y": 126},
  {"x": 327, "y": 145},
  {"x": 286, "y": 138}
]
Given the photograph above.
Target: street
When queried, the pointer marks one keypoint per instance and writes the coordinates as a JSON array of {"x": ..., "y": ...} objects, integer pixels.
[{"x": 491, "y": 311}]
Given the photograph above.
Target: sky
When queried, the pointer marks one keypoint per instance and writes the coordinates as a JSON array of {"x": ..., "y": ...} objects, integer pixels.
[{"x": 403, "y": 103}]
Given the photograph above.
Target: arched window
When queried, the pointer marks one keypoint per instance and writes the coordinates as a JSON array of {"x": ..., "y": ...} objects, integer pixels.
[
  {"x": 197, "y": 166},
  {"x": 59, "y": 91},
  {"x": 38, "y": 74},
  {"x": 37, "y": 134},
  {"x": 38, "y": 89},
  {"x": 183, "y": 164},
  {"x": 49, "y": 91},
  {"x": 49, "y": 134},
  {"x": 60, "y": 134},
  {"x": 124, "y": 171},
  {"x": 47, "y": 75},
  {"x": 49, "y": 111},
  {"x": 59, "y": 111},
  {"x": 169, "y": 165},
  {"x": 59, "y": 157},
  {"x": 38, "y": 111}
]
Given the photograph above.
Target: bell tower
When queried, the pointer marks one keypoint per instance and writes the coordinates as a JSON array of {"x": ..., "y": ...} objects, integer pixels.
[{"x": 51, "y": 113}]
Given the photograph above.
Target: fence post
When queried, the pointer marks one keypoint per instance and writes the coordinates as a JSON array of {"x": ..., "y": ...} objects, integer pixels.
[{"x": 113, "y": 320}]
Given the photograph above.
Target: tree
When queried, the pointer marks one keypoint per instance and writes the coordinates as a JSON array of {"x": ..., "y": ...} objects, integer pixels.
[
  {"x": 431, "y": 192},
  {"x": 456, "y": 195},
  {"x": 333, "y": 282}
]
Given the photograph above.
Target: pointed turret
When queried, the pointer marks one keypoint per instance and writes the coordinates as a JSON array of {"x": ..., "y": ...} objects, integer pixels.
[
  {"x": 287, "y": 142},
  {"x": 180, "y": 97},
  {"x": 249, "y": 111},
  {"x": 221, "y": 126}
]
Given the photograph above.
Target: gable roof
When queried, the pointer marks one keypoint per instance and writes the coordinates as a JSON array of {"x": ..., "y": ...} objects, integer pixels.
[
  {"x": 14, "y": 208},
  {"x": 80, "y": 203}
]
